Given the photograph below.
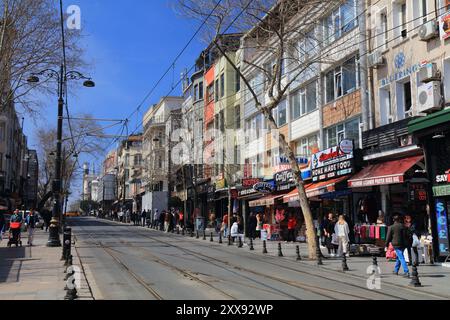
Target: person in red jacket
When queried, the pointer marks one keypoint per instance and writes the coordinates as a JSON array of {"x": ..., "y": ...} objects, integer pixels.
[{"x": 292, "y": 225}]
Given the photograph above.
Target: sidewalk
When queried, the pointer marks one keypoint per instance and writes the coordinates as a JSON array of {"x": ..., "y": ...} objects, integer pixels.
[{"x": 35, "y": 273}]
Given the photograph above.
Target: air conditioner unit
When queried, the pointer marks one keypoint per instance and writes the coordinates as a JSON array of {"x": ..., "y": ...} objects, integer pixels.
[
  {"x": 429, "y": 30},
  {"x": 429, "y": 73},
  {"x": 375, "y": 59},
  {"x": 429, "y": 97}
]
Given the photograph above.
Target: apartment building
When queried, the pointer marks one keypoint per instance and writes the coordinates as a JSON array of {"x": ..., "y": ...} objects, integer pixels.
[
  {"x": 320, "y": 109},
  {"x": 129, "y": 160},
  {"x": 159, "y": 123},
  {"x": 409, "y": 77}
]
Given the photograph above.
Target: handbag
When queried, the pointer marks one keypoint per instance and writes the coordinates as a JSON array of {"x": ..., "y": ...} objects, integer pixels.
[{"x": 334, "y": 239}]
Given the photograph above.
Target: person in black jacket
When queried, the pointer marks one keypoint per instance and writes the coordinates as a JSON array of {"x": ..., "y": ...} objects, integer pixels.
[
  {"x": 397, "y": 235},
  {"x": 252, "y": 223}
]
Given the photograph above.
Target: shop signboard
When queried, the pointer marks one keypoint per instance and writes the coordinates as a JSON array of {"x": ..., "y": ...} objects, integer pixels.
[
  {"x": 284, "y": 180},
  {"x": 334, "y": 162},
  {"x": 443, "y": 178},
  {"x": 250, "y": 182},
  {"x": 444, "y": 25},
  {"x": 264, "y": 187},
  {"x": 247, "y": 192},
  {"x": 441, "y": 191},
  {"x": 442, "y": 227}
]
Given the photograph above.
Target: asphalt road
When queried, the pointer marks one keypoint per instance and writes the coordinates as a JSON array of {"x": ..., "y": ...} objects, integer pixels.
[{"x": 124, "y": 262}]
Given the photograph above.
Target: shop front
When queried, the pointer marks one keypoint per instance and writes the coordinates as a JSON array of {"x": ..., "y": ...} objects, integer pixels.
[
  {"x": 386, "y": 188},
  {"x": 433, "y": 132}
]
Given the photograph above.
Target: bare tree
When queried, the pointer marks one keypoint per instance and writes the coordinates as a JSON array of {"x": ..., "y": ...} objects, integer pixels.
[
  {"x": 275, "y": 30},
  {"x": 30, "y": 41},
  {"x": 82, "y": 141}
]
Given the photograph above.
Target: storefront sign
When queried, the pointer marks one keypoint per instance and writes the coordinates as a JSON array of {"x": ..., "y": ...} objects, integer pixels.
[
  {"x": 246, "y": 183},
  {"x": 333, "y": 162},
  {"x": 221, "y": 184},
  {"x": 444, "y": 26},
  {"x": 284, "y": 180},
  {"x": 263, "y": 187},
  {"x": 443, "y": 178},
  {"x": 300, "y": 160},
  {"x": 418, "y": 192},
  {"x": 442, "y": 227},
  {"x": 247, "y": 192},
  {"x": 441, "y": 191},
  {"x": 403, "y": 73},
  {"x": 380, "y": 181}
]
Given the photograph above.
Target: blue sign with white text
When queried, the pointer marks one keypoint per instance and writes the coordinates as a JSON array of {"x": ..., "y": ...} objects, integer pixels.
[{"x": 442, "y": 227}]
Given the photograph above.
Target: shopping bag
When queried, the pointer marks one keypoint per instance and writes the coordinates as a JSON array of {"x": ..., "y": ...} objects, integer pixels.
[
  {"x": 416, "y": 241},
  {"x": 334, "y": 239}
]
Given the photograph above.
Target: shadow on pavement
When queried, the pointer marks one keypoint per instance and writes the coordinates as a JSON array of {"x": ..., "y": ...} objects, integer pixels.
[{"x": 8, "y": 256}]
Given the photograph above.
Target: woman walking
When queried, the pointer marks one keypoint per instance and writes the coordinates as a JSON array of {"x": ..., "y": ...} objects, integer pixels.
[
  {"x": 342, "y": 232},
  {"x": 259, "y": 225},
  {"x": 328, "y": 232}
]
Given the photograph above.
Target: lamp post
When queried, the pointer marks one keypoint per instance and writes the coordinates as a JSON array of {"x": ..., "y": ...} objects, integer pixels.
[{"x": 61, "y": 77}]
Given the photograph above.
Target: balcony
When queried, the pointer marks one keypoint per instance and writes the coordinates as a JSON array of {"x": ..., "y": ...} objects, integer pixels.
[{"x": 159, "y": 121}]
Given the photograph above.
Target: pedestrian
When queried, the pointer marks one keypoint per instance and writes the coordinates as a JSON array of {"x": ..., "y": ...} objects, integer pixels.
[
  {"x": 397, "y": 236},
  {"x": 162, "y": 217},
  {"x": 47, "y": 216},
  {"x": 342, "y": 232},
  {"x": 148, "y": 217},
  {"x": 413, "y": 237},
  {"x": 2, "y": 225},
  {"x": 292, "y": 225},
  {"x": 121, "y": 214},
  {"x": 328, "y": 232},
  {"x": 236, "y": 230},
  {"x": 143, "y": 217},
  {"x": 252, "y": 224},
  {"x": 31, "y": 225},
  {"x": 259, "y": 224},
  {"x": 224, "y": 227},
  {"x": 167, "y": 219},
  {"x": 181, "y": 219},
  {"x": 155, "y": 218}
]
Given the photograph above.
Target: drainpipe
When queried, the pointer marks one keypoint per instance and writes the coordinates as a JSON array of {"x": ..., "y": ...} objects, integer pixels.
[{"x": 366, "y": 112}]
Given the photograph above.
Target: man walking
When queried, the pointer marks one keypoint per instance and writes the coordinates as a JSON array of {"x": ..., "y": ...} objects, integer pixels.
[
  {"x": 143, "y": 217},
  {"x": 148, "y": 217},
  {"x": 31, "y": 225},
  {"x": 397, "y": 236}
]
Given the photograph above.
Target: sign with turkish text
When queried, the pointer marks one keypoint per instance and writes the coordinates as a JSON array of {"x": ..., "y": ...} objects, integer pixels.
[
  {"x": 333, "y": 162},
  {"x": 379, "y": 181},
  {"x": 442, "y": 227},
  {"x": 246, "y": 183}
]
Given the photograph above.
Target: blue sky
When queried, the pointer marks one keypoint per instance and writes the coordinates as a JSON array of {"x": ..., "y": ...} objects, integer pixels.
[{"x": 129, "y": 45}]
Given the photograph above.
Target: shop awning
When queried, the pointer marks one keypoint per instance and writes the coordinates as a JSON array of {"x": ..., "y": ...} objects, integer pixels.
[
  {"x": 432, "y": 120},
  {"x": 315, "y": 189},
  {"x": 385, "y": 173},
  {"x": 264, "y": 202}
]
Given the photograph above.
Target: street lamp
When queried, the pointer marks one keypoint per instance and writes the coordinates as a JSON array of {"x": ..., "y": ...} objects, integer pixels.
[{"x": 61, "y": 77}]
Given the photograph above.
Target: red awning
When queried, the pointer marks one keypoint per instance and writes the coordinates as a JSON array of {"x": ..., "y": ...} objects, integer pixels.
[
  {"x": 385, "y": 173},
  {"x": 315, "y": 189}
]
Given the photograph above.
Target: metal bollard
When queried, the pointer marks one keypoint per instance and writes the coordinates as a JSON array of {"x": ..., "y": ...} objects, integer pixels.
[
  {"x": 374, "y": 263},
  {"x": 198, "y": 236},
  {"x": 212, "y": 239},
  {"x": 220, "y": 238},
  {"x": 240, "y": 245},
  {"x": 71, "y": 293},
  {"x": 182, "y": 232},
  {"x": 297, "y": 250},
  {"x": 192, "y": 233},
  {"x": 415, "y": 281},
  {"x": 204, "y": 235},
  {"x": 68, "y": 275},
  {"x": 319, "y": 256},
  {"x": 229, "y": 239},
  {"x": 67, "y": 242},
  {"x": 251, "y": 245},
  {"x": 280, "y": 253},
  {"x": 178, "y": 230},
  {"x": 265, "y": 247},
  {"x": 344, "y": 262}
]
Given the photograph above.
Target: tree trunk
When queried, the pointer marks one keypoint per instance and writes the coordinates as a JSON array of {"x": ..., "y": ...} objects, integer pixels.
[{"x": 299, "y": 183}]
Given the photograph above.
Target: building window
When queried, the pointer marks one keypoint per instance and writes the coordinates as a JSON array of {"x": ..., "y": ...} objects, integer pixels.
[
  {"x": 127, "y": 160},
  {"x": 210, "y": 93},
  {"x": 216, "y": 90},
  {"x": 222, "y": 85},
  {"x": 304, "y": 101},
  {"x": 341, "y": 21},
  {"x": 127, "y": 174},
  {"x": 237, "y": 80},
  {"x": 407, "y": 98},
  {"x": 383, "y": 32},
  {"x": 280, "y": 114},
  {"x": 400, "y": 20},
  {"x": 386, "y": 106},
  {"x": 307, "y": 146},
  {"x": 342, "y": 80},
  {"x": 238, "y": 117},
  {"x": 348, "y": 130}
]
